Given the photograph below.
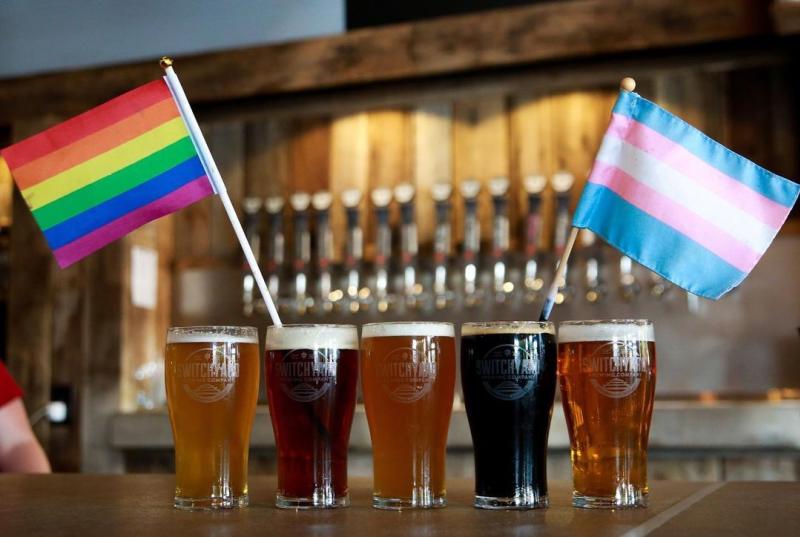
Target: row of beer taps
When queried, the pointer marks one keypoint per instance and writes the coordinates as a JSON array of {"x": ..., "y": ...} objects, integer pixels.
[{"x": 310, "y": 280}]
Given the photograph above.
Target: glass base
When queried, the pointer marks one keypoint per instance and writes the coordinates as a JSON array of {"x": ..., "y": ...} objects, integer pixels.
[
  {"x": 210, "y": 504},
  {"x": 627, "y": 500},
  {"x": 513, "y": 502},
  {"x": 398, "y": 504},
  {"x": 313, "y": 502}
]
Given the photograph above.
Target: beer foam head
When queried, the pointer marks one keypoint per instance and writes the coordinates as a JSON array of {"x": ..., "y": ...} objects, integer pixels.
[
  {"x": 507, "y": 327},
  {"x": 213, "y": 334},
  {"x": 399, "y": 329},
  {"x": 631, "y": 329},
  {"x": 312, "y": 336}
]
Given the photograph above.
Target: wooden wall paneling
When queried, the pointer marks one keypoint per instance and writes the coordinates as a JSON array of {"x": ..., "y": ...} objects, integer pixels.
[
  {"x": 309, "y": 155},
  {"x": 267, "y": 158},
  {"x": 30, "y": 300},
  {"x": 480, "y": 151},
  {"x": 390, "y": 156},
  {"x": 349, "y": 168},
  {"x": 227, "y": 143},
  {"x": 432, "y": 136},
  {"x": 697, "y": 96},
  {"x": 102, "y": 349},
  {"x": 580, "y": 119},
  {"x": 68, "y": 346},
  {"x": 531, "y": 152}
]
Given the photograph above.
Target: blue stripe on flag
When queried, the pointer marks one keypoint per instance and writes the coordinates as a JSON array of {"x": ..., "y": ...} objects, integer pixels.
[
  {"x": 772, "y": 186},
  {"x": 99, "y": 215},
  {"x": 654, "y": 244}
]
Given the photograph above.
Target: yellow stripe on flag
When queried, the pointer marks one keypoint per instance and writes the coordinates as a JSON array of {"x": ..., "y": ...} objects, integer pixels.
[{"x": 104, "y": 164}]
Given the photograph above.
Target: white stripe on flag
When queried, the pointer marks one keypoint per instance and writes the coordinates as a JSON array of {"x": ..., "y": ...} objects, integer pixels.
[{"x": 685, "y": 191}]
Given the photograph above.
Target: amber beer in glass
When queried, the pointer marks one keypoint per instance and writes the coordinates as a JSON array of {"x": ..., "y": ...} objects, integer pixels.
[
  {"x": 312, "y": 372},
  {"x": 408, "y": 374},
  {"x": 607, "y": 373},
  {"x": 212, "y": 388},
  {"x": 508, "y": 375}
]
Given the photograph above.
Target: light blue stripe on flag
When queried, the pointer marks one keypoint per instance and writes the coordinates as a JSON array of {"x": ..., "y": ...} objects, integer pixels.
[
  {"x": 655, "y": 244},
  {"x": 772, "y": 186}
]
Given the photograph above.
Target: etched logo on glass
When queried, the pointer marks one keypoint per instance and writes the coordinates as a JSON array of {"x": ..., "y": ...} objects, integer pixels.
[
  {"x": 508, "y": 372},
  {"x": 615, "y": 368},
  {"x": 406, "y": 375},
  {"x": 305, "y": 375},
  {"x": 208, "y": 374}
]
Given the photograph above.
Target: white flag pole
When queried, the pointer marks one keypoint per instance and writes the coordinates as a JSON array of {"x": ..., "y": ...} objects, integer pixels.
[
  {"x": 626, "y": 84},
  {"x": 216, "y": 182}
]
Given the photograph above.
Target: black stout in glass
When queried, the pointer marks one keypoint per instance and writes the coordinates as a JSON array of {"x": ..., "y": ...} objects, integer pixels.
[{"x": 508, "y": 374}]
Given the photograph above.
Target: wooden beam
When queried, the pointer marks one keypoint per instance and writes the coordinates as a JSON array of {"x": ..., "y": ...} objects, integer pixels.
[
  {"x": 786, "y": 17},
  {"x": 500, "y": 38}
]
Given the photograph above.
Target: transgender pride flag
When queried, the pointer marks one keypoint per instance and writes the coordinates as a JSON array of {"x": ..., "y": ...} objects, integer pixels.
[{"x": 680, "y": 203}]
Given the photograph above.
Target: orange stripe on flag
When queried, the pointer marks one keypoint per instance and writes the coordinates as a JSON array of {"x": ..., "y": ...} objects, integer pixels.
[
  {"x": 99, "y": 142},
  {"x": 85, "y": 124}
]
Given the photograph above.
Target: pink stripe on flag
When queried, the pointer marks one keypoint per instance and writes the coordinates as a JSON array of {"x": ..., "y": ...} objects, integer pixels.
[
  {"x": 189, "y": 193},
  {"x": 684, "y": 161},
  {"x": 675, "y": 215}
]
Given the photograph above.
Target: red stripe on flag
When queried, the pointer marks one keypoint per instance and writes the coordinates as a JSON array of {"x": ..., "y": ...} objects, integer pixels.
[
  {"x": 85, "y": 124},
  {"x": 177, "y": 199}
]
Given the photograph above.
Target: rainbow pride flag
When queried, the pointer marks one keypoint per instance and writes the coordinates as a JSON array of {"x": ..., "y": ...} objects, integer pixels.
[
  {"x": 98, "y": 176},
  {"x": 680, "y": 203}
]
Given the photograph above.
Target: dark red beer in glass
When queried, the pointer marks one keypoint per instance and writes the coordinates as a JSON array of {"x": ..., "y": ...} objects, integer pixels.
[{"x": 311, "y": 373}]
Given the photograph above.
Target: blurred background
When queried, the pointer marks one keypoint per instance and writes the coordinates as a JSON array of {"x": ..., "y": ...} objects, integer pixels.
[{"x": 400, "y": 160}]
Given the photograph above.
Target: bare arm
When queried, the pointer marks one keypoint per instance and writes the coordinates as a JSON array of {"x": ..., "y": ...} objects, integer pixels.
[{"x": 20, "y": 451}]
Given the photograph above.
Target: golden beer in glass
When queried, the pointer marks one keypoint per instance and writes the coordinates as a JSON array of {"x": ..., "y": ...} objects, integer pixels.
[
  {"x": 607, "y": 373},
  {"x": 212, "y": 376},
  {"x": 408, "y": 376}
]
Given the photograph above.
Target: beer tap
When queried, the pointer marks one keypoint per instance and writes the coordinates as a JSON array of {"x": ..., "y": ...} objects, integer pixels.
[
  {"x": 252, "y": 230},
  {"x": 498, "y": 188},
  {"x": 628, "y": 284},
  {"x": 409, "y": 247},
  {"x": 354, "y": 249},
  {"x": 562, "y": 185},
  {"x": 300, "y": 202},
  {"x": 472, "y": 240},
  {"x": 534, "y": 186},
  {"x": 441, "y": 244},
  {"x": 275, "y": 246},
  {"x": 381, "y": 198},
  {"x": 595, "y": 289},
  {"x": 659, "y": 287},
  {"x": 321, "y": 201}
]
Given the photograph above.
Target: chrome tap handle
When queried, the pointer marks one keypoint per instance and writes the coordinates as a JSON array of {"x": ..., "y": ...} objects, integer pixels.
[
  {"x": 595, "y": 289},
  {"x": 442, "y": 244},
  {"x": 498, "y": 188},
  {"x": 252, "y": 229},
  {"x": 562, "y": 185},
  {"x": 534, "y": 186},
  {"x": 472, "y": 240},
  {"x": 354, "y": 249},
  {"x": 321, "y": 201},
  {"x": 276, "y": 245},
  {"x": 300, "y": 202},
  {"x": 381, "y": 198},
  {"x": 628, "y": 284},
  {"x": 409, "y": 247}
]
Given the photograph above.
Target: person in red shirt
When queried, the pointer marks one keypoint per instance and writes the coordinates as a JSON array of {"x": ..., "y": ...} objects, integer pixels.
[{"x": 20, "y": 452}]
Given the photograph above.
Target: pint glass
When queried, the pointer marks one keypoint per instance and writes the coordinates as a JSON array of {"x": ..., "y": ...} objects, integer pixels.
[
  {"x": 508, "y": 375},
  {"x": 607, "y": 372},
  {"x": 212, "y": 388},
  {"x": 312, "y": 371},
  {"x": 408, "y": 378}
]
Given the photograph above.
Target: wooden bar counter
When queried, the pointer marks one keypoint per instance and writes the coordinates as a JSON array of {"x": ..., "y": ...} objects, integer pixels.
[{"x": 141, "y": 505}]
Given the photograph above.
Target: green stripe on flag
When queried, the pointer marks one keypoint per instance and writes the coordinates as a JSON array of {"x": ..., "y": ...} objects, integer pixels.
[{"x": 114, "y": 184}]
